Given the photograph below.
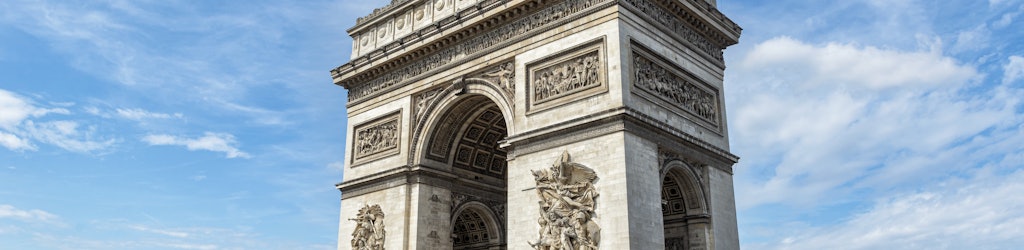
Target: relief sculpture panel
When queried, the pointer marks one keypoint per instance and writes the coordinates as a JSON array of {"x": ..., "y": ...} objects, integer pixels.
[
  {"x": 578, "y": 73},
  {"x": 669, "y": 83},
  {"x": 369, "y": 233},
  {"x": 377, "y": 139},
  {"x": 567, "y": 202}
]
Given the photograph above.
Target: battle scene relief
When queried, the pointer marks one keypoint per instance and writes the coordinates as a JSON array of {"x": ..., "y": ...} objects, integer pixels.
[
  {"x": 567, "y": 202},
  {"x": 376, "y": 139},
  {"x": 683, "y": 92},
  {"x": 576, "y": 74},
  {"x": 369, "y": 233}
]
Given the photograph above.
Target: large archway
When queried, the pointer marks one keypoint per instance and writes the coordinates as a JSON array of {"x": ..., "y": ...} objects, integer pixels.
[{"x": 466, "y": 142}]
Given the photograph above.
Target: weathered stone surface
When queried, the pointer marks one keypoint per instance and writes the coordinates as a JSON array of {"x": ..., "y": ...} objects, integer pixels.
[{"x": 457, "y": 109}]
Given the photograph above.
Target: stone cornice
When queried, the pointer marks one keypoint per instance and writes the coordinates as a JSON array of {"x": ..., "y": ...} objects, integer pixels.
[
  {"x": 515, "y": 23},
  {"x": 383, "y": 69},
  {"x": 380, "y": 13},
  {"x": 604, "y": 122}
]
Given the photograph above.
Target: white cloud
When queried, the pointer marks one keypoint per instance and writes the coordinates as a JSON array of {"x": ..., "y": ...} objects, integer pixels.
[
  {"x": 14, "y": 109},
  {"x": 140, "y": 114},
  {"x": 983, "y": 213},
  {"x": 216, "y": 142},
  {"x": 847, "y": 64},
  {"x": 68, "y": 135},
  {"x": 15, "y": 143},
  {"x": 33, "y": 215},
  {"x": 974, "y": 39},
  {"x": 1013, "y": 70},
  {"x": 19, "y": 128},
  {"x": 172, "y": 233},
  {"x": 336, "y": 166},
  {"x": 829, "y": 120}
]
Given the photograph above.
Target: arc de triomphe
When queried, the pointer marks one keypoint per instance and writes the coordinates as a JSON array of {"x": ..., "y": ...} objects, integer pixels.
[{"x": 538, "y": 124}]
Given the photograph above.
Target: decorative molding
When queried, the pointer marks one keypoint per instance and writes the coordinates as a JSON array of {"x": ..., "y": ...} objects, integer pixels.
[
  {"x": 385, "y": 78},
  {"x": 687, "y": 26},
  {"x": 380, "y": 11},
  {"x": 670, "y": 83},
  {"x": 369, "y": 233},
  {"x": 575, "y": 73},
  {"x": 377, "y": 139},
  {"x": 567, "y": 202}
]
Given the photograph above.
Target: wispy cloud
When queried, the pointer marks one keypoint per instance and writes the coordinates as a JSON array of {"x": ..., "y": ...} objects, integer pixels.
[
  {"x": 981, "y": 213},
  {"x": 182, "y": 55},
  {"x": 14, "y": 142},
  {"x": 216, "y": 142},
  {"x": 19, "y": 128},
  {"x": 825, "y": 135},
  {"x": 172, "y": 233},
  {"x": 30, "y": 215},
  {"x": 134, "y": 114},
  {"x": 1013, "y": 70},
  {"x": 14, "y": 109}
]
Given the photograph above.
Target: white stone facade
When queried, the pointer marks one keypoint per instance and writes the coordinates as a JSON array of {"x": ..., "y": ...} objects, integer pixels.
[{"x": 453, "y": 104}]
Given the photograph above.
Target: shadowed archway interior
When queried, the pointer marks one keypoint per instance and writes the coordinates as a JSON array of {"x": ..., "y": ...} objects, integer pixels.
[{"x": 467, "y": 138}]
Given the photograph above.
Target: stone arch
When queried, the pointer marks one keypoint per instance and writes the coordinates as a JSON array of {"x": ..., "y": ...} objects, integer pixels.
[
  {"x": 689, "y": 182},
  {"x": 453, "y": 98},
  {"x": 685, "y": 216},
  {"x": 475, "y": 226}
]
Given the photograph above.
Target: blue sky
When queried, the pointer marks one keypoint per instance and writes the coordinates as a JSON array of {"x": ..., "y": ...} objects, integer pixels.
[{"x": 861, "y": 124}]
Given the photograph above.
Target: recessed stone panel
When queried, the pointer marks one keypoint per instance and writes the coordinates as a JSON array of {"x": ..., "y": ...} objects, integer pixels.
[
  {"x": 570, "y": 75},
  {"x": 377, "y": 139}
]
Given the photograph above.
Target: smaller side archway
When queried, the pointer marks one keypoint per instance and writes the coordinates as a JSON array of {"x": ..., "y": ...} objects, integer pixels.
[
  {"x": 687, "y": 222},
  {"x": 475, "y": 226}
]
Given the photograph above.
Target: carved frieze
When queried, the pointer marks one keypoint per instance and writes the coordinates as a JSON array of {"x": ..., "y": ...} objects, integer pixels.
[
  {"x": 671, "y": 84},
  {"x": 376, "y": 139},
  {"x": 567, "y": 202},
  {"x": 681, "y": 27},
  {"x": 463, "y": 49},
  {"x": 577, "y": 73},
  {"x": 369, "y": 233}
]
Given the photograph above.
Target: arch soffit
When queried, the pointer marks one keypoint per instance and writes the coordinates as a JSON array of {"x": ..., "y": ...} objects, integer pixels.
[
  {"x": 450, "y": 98},
  {"x": 489, "y": 217},
  {"x": 687, "y": 177}
]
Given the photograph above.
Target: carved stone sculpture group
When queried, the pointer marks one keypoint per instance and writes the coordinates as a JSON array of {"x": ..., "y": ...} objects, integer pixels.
[
  {"x": 654, "y": 78},
  {"x": 567, "y": 202},
  {"x": 369, "y": 233},
  {"x": 376, "y": 138},
  {"x": 567, "y": 77}
]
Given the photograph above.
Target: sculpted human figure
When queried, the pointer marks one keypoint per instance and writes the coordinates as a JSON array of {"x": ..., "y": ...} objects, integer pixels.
[
  {"x": 369, "y": 233},
  {"x": 567, "y": 201}
]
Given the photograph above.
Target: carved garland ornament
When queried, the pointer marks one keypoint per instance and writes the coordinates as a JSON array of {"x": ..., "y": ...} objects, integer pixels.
[
  {"x": 376, "y": 139},
  {"x": 567, "y": 202},
  {"x": 369, "y": 233}
]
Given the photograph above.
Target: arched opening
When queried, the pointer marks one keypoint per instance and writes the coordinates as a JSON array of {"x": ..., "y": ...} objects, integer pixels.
[
  {"x": 466, "y": 141},
  {"x": 673, "y": 211},
  {"x": 475, "y": 227},
  {"x": 683, "y": 208}
]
